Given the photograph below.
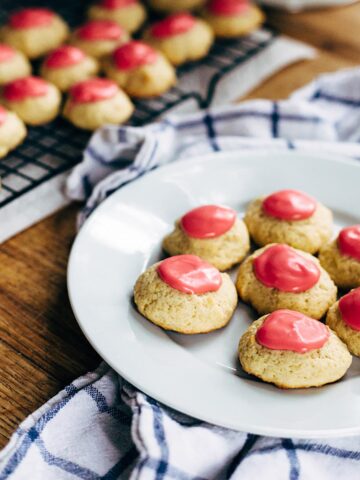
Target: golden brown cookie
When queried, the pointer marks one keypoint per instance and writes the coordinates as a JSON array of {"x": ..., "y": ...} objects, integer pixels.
[
  {"x": 292, "y": 217},
  {"x": 278, "y": 276},
  {"x": 140, "y": 70},
  {"x": 96, "y": 102},
  {"x": 171, "y": 6},
  {"x": 12, "y": 131},
  {"x": 181, "y": 38},
  {"x": 13, "y": 64},
  {"x": 129, "y": 14},
  {"x": 186, "y": 295},
  {"x": 35, "y": 100},
  {"x": 291, "y": 350},
  {"x": 34, "y": 31}
]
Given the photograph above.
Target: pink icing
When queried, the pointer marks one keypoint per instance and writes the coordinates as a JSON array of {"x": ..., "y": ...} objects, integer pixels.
[
  {"x": 228, "y": 7},
  {"x": 349, "y": 241},
  {"x": 6, "y": 52},
  {"x": 134, "y": 54},
  {"x": 349, "y": 306},
  {"x": 116, "y": 4},
  {"x": 281, "y": 267},
  {"x": 290, "y": 330},
  {"x": 289, "y": 205},
  {"x": 208, "y": 221},
  {"x": 189, "y": 274},
  {"x": 93, "y": 90},
  {"x": 64, "y": 56},
  {"x": 3, "y": 115},
  {"x": 100, "y": 30},
  {"x": 26, "y": 87},
  {"x": 31, "y": 18},
  {"x": 173, "y": 25}
]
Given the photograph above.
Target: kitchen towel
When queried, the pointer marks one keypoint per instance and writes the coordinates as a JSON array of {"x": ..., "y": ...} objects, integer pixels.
[{"x": 100, "y": 427}]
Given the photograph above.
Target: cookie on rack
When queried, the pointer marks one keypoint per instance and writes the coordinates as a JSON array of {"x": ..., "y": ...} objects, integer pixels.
[
  {"x": 129, "y": 14},
  {"x": 12, "y": 131},
  {"x": 98, "y": 38},
  {"x": 292, "y": 350},
  {"x": 344, "y": 318},
  {"x": 185, "y": 294},
  {"x": 34, "y": 31},
  {"x": 96, "y": 102},
  {"x": 68, "y": 65},
  {"x": 213, "y": 232},
  {"x": 171, "y": 6},
  {"x": 35, "y": 100},
  {"x": 181, "y": 37},
  {"x": 292, "y": 217},
  {"x": 278, "y": 276},
  {"x": 140, "y": 70},
  {"x": 13, "y": 64},
  {"x": 232, "y": 18},
  {"x": 341, "y": 258}
]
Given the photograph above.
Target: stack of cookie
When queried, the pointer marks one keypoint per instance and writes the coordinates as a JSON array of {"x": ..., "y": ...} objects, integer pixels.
[
  {"x": 283, "y": 281},
  {"x": 139, "y": 68}
]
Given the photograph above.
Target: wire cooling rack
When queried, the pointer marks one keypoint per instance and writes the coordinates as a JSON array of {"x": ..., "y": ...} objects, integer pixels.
[{"x": 55, "y": 148}]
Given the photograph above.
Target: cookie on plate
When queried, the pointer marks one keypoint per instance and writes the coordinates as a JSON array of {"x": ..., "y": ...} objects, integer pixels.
[
  {"x": 185, "y": 294},
  {"x": 292, "y": 350},
  {"x": 96, "y": 102},
  {"x": 232, "y": 18},
  {"x": 278, "y": 276},
  {"x": 140, "y": 70},
  {"x": 171, "y": 6},
  {"x": 212, "y": 232},
  {"x": 344, "y": 318},
  {"x": 68, "y": 65},
  {"x": 129, "y": 14},
  {"x": 292, "y": 217},
  {"x": 181, "y": 37},
  {"x": 35, "y": 100},
  {"x": 12, "y": 131},
  {"x": 98, "y": 38},
  {"x": 341, "y": 258},
  {"x": 13, "y": 64},
  {"x": 34, "y": 31}
]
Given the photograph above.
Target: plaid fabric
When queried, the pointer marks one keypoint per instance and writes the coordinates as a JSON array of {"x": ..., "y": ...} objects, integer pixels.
[{"x": 100, "y": 427}]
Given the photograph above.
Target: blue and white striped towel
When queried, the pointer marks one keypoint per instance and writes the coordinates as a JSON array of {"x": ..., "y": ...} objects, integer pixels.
[{"x": 102, "y": 428}]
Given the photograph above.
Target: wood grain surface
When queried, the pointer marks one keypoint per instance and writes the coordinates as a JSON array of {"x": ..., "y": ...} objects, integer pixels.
[{"x": 41, "y": 347}]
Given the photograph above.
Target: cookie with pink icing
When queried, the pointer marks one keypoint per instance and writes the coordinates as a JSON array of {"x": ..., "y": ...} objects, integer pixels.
[
  {"x": 289, "y": 216},
  {"x": 185, "y": 294},
  {"x": 129, "y": 14},
  {"x": 213, "y": 232},
  {"x": 34, "y": 31},
  {"x": 293, "y": 350},
  {"x": 13, "y": 64},
  {"x": 98, "y": 38},
  {"x": 12, "y": 131},
  {"x": 35, "y": 100},
  {"x": 140, "y": 70},
  {"x": 181, "y": 37},
  {"x": 68, "y": 65},
  {"x": 96, "y": 102},
  {"x": 232, "y": 18},
  {"x": 341, "y": 257}
]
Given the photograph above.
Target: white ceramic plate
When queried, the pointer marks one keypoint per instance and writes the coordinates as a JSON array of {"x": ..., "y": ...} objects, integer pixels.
[{"x": 200, "y": 375}]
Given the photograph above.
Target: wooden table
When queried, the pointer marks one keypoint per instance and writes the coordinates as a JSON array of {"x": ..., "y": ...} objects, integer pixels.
[{"x": 41, "y": 347}]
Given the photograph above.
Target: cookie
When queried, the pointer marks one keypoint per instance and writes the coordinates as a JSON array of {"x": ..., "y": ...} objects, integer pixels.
[
  {"x": 140, "y": 70},
  {"x": 292, "y": 217},
  {"x": 232, "y": 18},
  {"x": 186, "y": 295},
  {"x": 98, "y": 38},
  {"x": 166, "y": 6},
  {"x": 341, "y": 258},
  {"x": 35, "y": 100},
  {"x": 96, "y": 102},
  {"x": 68, "y": 65},
  {"x": 212, "y": 232},
  {"x": 13, "y": 64},
  {"x": 344, "y": 318},
  {"x": 129, "y": 14},
  {"x": 181, "y": 37},
  {"x": 12, "y": 131},
  {"x": 34, "y": 31},
  {"x": 278, "y": 276},
  {"x": 291, "y": 350}
]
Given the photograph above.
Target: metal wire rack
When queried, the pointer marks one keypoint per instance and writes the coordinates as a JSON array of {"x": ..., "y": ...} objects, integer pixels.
[{"x": 55, "y": 148}]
